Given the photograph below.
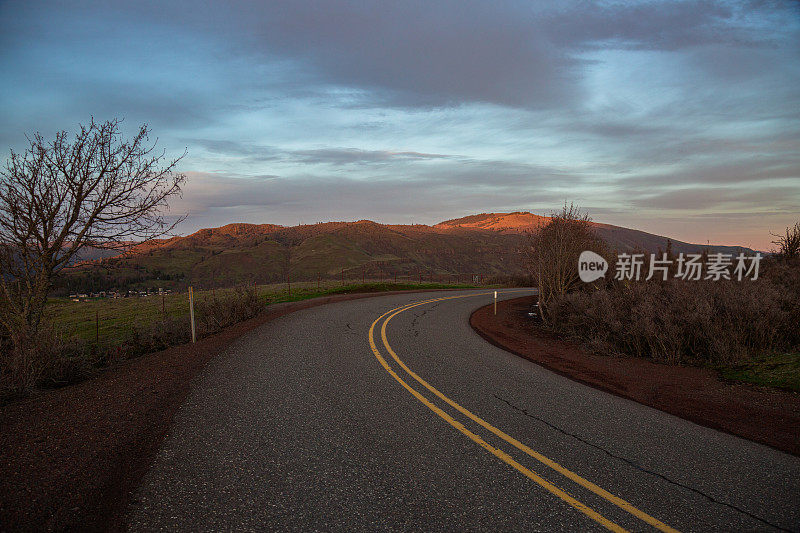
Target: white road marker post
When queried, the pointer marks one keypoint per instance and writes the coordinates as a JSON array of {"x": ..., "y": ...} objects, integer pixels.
[
  {"x": 495, "y": 302},
  {"x": 191, "y": 312}
]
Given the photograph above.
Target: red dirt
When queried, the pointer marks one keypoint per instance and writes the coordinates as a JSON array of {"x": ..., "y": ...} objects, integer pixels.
[
  {"x": 71, "y": 457},
  {"x": 760, "y": 414}
]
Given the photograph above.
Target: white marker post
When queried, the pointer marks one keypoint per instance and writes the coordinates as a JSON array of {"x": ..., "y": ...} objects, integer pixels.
[
  {"x": 191, "y": 312},
  {"x": 495, "y": 302}
]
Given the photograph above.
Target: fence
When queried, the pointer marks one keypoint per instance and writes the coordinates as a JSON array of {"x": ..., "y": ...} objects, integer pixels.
[{"x": 111, "y": 322}]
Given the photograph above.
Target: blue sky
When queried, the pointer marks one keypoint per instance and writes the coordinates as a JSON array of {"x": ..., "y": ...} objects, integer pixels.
[{"x": 679, "y": 118}]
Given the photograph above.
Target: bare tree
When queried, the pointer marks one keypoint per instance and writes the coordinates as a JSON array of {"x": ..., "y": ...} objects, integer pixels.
[
  {"x": 789, "y": 243},
  {"x": 60, "y": 196},
  {"x": 555, "y": 248}
]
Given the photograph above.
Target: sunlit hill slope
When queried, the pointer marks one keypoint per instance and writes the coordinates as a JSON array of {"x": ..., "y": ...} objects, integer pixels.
[{"x": 485, "y": 244}]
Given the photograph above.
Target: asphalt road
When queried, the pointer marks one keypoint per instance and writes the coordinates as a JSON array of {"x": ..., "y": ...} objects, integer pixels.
[{"x": 316, "y": 421}]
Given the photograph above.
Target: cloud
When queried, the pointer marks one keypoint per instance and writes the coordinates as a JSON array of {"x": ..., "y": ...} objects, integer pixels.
[
  {"x": 250, "y": 152},
  {"x": 209, "y": 198},
  {"x": 513, "y": 54},
  {"x": 720, "y": 198},
  {"x": 344, "y": 156},
  {"x": 406, "y": 109}
]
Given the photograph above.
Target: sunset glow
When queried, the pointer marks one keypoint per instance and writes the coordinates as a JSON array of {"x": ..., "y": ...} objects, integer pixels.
[{"x": 676, "y": 118}]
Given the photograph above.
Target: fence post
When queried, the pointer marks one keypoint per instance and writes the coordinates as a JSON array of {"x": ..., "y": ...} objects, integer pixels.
[
  {"x": 191, "y": 313},
  {"x": 495, "y": 302},
  {"x": 97, "y": 327},
  {"x": 289, "y": 284}
]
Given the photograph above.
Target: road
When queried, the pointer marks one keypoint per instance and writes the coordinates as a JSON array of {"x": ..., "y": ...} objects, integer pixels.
[{"x": 390, "y": 413}]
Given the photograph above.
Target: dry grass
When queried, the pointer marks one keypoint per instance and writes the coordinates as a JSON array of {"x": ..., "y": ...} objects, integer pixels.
[{"x": 721, "y": 323}]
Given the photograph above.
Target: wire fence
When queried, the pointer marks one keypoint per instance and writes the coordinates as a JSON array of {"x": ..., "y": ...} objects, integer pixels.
[{"x": 107, "y": 320}]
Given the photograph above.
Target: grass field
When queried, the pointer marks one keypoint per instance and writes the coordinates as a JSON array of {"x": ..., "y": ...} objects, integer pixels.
[{"x": 111, "y": 321}]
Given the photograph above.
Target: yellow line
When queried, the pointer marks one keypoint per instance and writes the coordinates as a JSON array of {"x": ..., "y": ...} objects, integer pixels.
[
  {"x": 594, "y": 515},
  {"x": 511, "y": 440}
]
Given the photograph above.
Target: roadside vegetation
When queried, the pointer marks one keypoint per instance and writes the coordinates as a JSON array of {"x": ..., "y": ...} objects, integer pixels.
[
  {"x": 749, "y": 330},
  {"x": 94, "y": 189},
  {"x": 77, "y": 339}
]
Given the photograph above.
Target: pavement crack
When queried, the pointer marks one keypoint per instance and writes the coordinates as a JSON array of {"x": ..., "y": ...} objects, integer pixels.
[
  {"x": 419, "y": 314},
  {"x": 640, "y": 467}
]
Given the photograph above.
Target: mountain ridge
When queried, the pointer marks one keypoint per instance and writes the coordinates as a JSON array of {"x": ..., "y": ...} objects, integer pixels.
[{"x": 489, "y": 244}]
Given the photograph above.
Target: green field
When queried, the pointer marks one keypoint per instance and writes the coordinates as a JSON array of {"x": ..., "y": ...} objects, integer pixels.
[{"x": 111, "y": 321}]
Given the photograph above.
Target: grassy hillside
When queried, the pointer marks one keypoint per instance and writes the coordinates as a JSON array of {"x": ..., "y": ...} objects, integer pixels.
[{"x": 487, "y": 244}]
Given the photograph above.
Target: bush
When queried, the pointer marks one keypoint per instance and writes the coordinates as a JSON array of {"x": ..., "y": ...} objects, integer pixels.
[
  {"x": 220, "y": 311},
  {"x": 720, "y": 322},
  {"x": 212, "y": 314},
  {"x": 788, "y": 243},
  {"x": 158, "y": 335},
  {"x": 53, "y": 359},
  {"x": 48, "y": 359},
  {"x": 554, "y": 252}
]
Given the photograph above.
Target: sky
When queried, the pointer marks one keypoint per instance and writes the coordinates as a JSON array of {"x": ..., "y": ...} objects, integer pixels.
[{"x": 677, "y": 118}]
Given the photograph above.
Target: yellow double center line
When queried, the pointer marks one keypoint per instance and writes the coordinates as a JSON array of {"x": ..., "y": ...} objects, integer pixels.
[{"x": 594, "y": 515}]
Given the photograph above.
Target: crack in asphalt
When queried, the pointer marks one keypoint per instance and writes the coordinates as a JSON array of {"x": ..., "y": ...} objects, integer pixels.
[
  {"x": 352, "y": 331},
  {"x": 640, "y": 467},
  {"x": 417, "y": 316}
]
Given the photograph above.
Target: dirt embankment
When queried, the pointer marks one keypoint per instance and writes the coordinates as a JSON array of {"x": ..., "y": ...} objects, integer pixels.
[
  {"x": 763, "y": 415},
  {"x": 71, "y": 457}
]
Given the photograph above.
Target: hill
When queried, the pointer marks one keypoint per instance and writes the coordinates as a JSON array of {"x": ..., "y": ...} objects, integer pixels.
[
  {"x": 622, "y": 239},
  {"x": 488, "y": 244}
]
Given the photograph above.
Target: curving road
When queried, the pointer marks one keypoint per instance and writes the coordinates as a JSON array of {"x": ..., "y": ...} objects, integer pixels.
[{"x": 390, "y": 413}]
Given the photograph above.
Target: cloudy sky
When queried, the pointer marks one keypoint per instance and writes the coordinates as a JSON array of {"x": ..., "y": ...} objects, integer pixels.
[{"x": 679, "y": 118}]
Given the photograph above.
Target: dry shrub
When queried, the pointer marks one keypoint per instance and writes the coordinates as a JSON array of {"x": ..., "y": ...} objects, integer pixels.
[
  {"x": 159, "y": 335},
  {"x": 788, "y": 243},
  {"x": 51, "y": 358},
  {"x": 553, "y": 255},
  {"x": 47, "y": 359},
  {"x": 682, "y": 322},
  {"x": 212, "y": 313},
  {"x": 223, "y": 310}
]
